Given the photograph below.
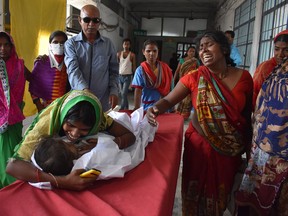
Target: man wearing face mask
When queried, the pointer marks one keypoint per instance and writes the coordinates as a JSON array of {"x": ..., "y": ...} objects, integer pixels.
[{"x": 49, "y": 78}]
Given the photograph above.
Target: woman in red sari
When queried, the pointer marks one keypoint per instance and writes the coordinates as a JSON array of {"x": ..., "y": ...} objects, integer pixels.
[{"x": 220, "y": 128}]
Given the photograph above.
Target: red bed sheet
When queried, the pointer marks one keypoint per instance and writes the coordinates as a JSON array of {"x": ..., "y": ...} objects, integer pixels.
[{"x": 149, "y": 189}]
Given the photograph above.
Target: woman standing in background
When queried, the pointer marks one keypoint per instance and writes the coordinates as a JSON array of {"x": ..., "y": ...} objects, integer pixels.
[
  {"x": 153, "y": 78},
  {"x": 49, "y": 79},
  {"x": 11, "y": 102},
  {"x": 190, "y": 63}
]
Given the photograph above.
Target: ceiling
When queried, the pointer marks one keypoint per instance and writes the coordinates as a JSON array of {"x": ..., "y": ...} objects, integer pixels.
[{"x": 193, "y": 9}]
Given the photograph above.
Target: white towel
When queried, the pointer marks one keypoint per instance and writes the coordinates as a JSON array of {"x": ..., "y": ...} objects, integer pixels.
[{"x": 108, "y": 158}]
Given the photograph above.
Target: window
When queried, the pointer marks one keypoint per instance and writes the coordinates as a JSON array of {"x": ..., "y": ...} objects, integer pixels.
[
  {"x": 182, "y": 48},
  {"x": 243, "y": 28},
  {"x": 152, "y": 26},
  {"x": 274, "y": 20},
  {"x": 173, "y": 27}
]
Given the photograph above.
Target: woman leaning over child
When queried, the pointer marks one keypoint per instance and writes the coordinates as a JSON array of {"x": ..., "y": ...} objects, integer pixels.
[{"x": 75, "y": 115}]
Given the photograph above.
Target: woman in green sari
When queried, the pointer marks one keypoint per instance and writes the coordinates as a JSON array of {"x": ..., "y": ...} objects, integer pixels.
[{"x": 73, "y": 116}]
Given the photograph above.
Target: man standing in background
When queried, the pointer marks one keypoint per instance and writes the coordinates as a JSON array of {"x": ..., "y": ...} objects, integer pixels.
[
  {"x": 127, "y": 65},
  {"x": 234, "y": 54},
  {"x": 91, "y": 60}
]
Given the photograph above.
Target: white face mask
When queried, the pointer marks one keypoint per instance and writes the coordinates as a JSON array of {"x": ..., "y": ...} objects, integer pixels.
[{"x": 57, "y": 49}]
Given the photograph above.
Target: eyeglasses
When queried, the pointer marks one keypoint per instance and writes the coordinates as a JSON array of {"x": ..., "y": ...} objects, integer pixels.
[{"x": 89, "y": 19}]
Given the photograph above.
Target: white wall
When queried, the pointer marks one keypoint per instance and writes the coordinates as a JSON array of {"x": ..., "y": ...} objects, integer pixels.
[
  {"x": 172, "y": 26},
  {"x": 225, "y": 15},
  {"x": 111, "y": 19},
  {"x": 1, "y": 15}
]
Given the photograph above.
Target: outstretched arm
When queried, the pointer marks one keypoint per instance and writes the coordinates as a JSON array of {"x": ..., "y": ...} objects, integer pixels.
[
  {"x": 26, "y": 171},
  {"x": 174, "y": 97},
  {"x": 75, "y": 75}
]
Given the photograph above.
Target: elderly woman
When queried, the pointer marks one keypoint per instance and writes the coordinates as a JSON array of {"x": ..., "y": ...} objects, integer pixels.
[
  {"x": 12, "y": 89},
  {"x": 220, "y": 128},
  {"x": 75, "y": 115}
]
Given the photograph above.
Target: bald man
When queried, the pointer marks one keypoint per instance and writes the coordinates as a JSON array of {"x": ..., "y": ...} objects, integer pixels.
[{"x": 91, "y": 60}]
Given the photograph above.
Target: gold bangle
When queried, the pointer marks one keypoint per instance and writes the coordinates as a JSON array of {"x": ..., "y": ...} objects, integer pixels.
[{"x": 57, "y": 185}]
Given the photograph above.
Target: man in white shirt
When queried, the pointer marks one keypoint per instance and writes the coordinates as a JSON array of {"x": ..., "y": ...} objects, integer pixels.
[{"x": 127, "y": 65}]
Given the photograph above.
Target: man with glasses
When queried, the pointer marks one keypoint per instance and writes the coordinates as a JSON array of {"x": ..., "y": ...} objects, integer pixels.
[{"x": 91, "y": 60}]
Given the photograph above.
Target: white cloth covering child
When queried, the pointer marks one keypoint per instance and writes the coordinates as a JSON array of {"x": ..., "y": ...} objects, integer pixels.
[{"x": 107, "y": 157}]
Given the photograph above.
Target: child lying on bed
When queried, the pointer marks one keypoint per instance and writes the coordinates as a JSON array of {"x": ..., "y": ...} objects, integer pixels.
[
  {"x": 106, "y": 156},
  {"x": 53, "y": 155}
]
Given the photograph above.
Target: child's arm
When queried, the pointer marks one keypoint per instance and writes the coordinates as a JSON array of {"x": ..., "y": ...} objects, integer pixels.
[{"x": 123, "y": 137}]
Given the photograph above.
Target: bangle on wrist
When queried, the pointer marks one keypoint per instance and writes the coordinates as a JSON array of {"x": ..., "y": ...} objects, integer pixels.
[
  {"x": 38, "y": 175},
  {"x": 56, "y": 182}
]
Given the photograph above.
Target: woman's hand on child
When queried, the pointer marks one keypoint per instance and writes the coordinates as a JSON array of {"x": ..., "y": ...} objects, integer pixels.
[
  {"x": 151, "y": 114},
  {"x": 73, "y": 181}
]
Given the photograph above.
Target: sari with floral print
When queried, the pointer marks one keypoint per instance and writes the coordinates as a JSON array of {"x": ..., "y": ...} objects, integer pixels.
[
  {"x": 264, "y": 185},
  {"x": 212, "y": 159}
]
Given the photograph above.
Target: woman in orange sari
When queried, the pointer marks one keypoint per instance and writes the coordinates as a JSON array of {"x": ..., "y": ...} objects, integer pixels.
[{"x": 220, "y": 129}]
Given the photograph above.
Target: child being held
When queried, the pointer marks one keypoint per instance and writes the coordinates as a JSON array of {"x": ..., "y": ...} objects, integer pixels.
[
  {"x": 60, "y": 157},
  {"x": 55, "y": 156}
]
